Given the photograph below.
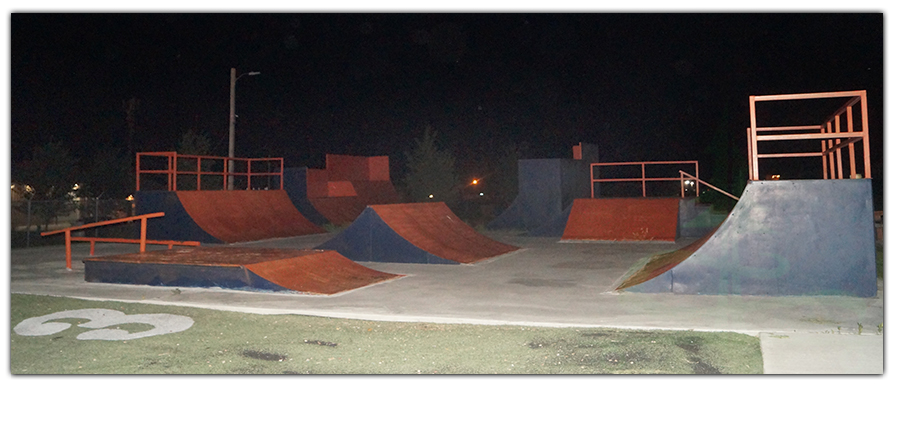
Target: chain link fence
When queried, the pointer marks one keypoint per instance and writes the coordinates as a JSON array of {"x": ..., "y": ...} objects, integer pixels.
[{"x": 28, "y": 218}]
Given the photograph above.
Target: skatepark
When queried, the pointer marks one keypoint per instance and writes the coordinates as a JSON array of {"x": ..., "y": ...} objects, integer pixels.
[{"x": 793, "y": 263}]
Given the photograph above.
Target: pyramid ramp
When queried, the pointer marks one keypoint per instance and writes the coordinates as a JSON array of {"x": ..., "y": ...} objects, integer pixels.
[{"x": 414, "y": 233}]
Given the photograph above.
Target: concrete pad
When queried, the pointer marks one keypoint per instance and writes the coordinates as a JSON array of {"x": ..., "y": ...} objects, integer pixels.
[
  {"x": 822, "y": 353},
  {"x": 546, "y": 283}
]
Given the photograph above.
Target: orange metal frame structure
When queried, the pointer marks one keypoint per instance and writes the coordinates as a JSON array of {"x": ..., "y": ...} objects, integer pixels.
[
  {"x": 172, "y": 171},
  {"x": 143, "y": 242},
  {"x": 832, "y": 137},
  {"x": 643, "y": 179}
]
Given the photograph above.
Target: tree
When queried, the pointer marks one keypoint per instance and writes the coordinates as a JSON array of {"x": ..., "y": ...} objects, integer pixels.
[
  {"x": 431, "y": 172},
  {"x": 195, "y": 143},
  {"x": 49, "y": 176},
  {"x": 506, "y": 171}
]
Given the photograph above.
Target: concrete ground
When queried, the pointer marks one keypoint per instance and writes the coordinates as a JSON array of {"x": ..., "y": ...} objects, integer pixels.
[{"x": 546, "y": 283}]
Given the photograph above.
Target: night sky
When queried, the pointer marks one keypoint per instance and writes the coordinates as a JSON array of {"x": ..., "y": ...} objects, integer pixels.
[{"x": 641, "y": 86}]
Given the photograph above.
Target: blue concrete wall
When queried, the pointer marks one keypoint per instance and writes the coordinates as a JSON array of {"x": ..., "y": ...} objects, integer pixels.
[
  {"x": 797, "y": 237},
  {"x": 547, "y": 188}
]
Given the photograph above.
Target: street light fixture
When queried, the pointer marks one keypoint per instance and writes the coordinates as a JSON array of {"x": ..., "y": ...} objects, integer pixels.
[{"x": 231, "y": 128}]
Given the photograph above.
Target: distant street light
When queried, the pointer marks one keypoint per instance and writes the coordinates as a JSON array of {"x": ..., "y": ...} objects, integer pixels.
[{"x": 231, "y": 128}]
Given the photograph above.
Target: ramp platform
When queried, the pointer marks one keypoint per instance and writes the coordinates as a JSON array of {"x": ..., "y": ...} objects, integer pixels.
[
  {"x": 223, "y": 216},
  {"x": 303, "y": 271},
  {"x": 797, "y": 237},
  {"x": 414, "y": 233},
  {"x": 623, "y": 219}
]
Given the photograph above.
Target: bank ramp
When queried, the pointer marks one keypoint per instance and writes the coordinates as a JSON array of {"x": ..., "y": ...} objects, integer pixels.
[
  {"x": 223, "y": 216},
  {"x": 796, "y": 237},
  {"x": 623, "y": 219},
  {"x": 414, "y": 233},
  {"x": 253, "y": 269}
]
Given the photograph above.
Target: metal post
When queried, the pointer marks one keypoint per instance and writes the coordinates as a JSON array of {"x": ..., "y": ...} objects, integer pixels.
[
  {"x": 643, "y": 179},
  {"x": 231, "y": 133},
  {"x": 852, "y": 145},
  {"x": 143, "y": 242},
  {"x": 754, "y": 148},
  {"x": 68, "y": 235},
  {"x": 28, "y": 227},
  {"x": 864, "y": 114}
]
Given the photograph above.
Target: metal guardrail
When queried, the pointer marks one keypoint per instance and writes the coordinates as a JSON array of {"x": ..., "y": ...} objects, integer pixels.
[
  {"x": 832, "y": 139},
  {"x": 643, "y": 178},
  {"x": 172, "y": 172}
]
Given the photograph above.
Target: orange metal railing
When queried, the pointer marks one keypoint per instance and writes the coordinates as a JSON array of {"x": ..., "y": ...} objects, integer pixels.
[
  {"x": 643, "y": 178},
  {"x": 143, "y": 242},
  {"x": 833, "y": 139},
  {"x": 172, "y": 171}
]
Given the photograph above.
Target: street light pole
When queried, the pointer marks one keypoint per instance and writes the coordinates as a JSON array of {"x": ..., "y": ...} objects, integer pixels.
[{"x": 231, "y": 128}]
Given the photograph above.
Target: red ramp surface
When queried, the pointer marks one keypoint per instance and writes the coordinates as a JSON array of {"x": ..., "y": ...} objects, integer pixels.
[
  {"x": 414, "y": 233},
  {"x": 623, "y": 219},
  {"x": 306, "y": 271},
  {"x": 348, "y": 184},
  {"x": 240, "y": 216}
]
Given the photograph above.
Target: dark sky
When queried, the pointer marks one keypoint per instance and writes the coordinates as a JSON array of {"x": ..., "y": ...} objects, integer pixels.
[{"x": 642, "y": 86}]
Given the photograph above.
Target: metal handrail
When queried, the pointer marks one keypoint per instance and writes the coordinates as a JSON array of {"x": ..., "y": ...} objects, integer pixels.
[
  {"x": 683, "y": 174},
  {"x": 142, "y": 241}
]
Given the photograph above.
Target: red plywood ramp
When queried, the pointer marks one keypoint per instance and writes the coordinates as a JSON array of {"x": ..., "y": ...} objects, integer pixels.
[
  {"x": 265, "y": 269},
  {"x": 322, "y": 272},
  {"x": 414, "y": 233},
  {"x": 339, "y": 210},
  {"x": 623, "y": 219},
  {"x": 240, "y": 216},
  {"x": 434, "y": 228}
]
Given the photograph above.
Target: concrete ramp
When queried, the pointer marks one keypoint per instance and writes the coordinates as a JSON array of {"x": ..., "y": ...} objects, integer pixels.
[
  {"x": 623, "y": 219},
  {"x": 304, "y": 271},
  {"x": 547, "y": 188},
  {"x": 223, "y": 216},
  {"x": 798, "y": 237},
  {"x": 414, "y": 233}
]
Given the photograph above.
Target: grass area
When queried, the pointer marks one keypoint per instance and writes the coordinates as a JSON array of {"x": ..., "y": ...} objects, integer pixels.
[{"x": 235, "y": 343}]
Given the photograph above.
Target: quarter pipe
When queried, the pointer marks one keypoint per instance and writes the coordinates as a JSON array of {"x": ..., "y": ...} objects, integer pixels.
[{"x": 797, "y": 237}]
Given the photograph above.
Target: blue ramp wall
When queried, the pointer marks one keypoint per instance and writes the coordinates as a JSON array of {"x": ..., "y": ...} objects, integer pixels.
[
  {"x": 177, "y": 224},
  {"x": 797, "y": 237},
  {"x": 295, "y": 186}
]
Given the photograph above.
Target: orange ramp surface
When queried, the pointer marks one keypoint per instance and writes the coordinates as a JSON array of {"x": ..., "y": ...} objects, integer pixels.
[
  {"x": 223, "y": 216},
  {"x": 265, "y": 269},
  {"x": 623, "y": 219},
  {"x": 414, "y": 233}
]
